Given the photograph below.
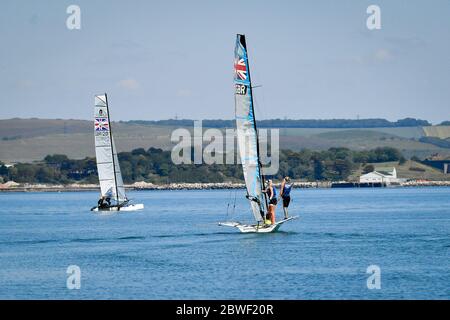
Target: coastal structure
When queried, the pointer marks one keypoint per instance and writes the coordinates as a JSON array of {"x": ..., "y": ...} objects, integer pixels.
[
  {"x": 383, "y": 175},
  {"x": 438, "y": 162}
]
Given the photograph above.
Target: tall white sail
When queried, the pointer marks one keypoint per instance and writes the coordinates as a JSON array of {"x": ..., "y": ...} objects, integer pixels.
[
  {"x": 247, "y": 135},
  {"x": 111, "y": 183}
]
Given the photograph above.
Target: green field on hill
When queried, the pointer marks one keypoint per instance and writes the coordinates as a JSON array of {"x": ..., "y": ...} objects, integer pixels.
[{"x": 27, "y": 140}]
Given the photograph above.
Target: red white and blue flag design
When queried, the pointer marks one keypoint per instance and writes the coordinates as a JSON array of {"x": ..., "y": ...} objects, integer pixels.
[
  {"x": 240, "y": 69},
  {"x": 101, "y": 124}
]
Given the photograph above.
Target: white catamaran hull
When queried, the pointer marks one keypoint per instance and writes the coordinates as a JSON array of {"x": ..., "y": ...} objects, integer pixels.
[
  {"x": 130, "y": 207},
  {"x": 252, "y": 228}
]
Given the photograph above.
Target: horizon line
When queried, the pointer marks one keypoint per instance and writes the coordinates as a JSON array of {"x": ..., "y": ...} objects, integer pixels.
[{"x": 232, "y": 119}]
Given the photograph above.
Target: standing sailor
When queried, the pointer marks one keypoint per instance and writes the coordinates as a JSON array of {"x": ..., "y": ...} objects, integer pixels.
[
  {"x": 272, "y": 195},
  {"x": 286, "y": 188}
]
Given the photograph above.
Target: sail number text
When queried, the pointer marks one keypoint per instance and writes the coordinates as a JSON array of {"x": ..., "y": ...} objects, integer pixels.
[{"x": 241, "y": 89}]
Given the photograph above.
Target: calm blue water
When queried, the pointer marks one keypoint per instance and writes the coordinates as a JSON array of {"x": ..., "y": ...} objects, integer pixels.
[{"x": 174, "y": 249}]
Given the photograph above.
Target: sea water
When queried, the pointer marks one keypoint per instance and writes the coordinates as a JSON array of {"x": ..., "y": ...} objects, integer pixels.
[{"x": 174, "y": 249}]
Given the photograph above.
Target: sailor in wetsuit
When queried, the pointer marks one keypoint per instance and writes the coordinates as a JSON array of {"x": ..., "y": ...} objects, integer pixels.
[
  {"x": 104, "y": 202},
  {"x": 272, "y": 195},
  {"x": 286, "y": 188}
]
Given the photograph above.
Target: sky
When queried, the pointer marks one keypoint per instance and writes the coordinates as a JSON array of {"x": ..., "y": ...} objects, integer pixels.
[{"x": 167, "y": 59}]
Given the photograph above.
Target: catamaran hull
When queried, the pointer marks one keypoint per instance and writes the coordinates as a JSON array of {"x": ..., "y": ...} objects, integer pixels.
[
  {"x": 251, "y": 228},
  {"x": 130, "y": 207}
]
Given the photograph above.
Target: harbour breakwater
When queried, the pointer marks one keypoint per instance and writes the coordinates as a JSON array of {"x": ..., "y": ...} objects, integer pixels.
[
  {"x": 27, "y": 187},
  {"x": 11, "y": 186}
]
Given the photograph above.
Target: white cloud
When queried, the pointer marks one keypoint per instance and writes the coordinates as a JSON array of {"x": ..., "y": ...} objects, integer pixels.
[
  {"x": 383, "y": 55},
  {"x": 130, "y": 84},
  {"x": 379, "y": 56}
]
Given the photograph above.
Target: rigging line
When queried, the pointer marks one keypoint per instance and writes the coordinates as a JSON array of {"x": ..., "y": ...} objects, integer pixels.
[
  {"x": 259, "y": 107},
  {"x": 229, "y": 201},
  {"x": 228, "y": 204},
  {"x": 234, "y": 204},
  {"x": 112, "y": 148},
  {"x": 252, "y": 105}
]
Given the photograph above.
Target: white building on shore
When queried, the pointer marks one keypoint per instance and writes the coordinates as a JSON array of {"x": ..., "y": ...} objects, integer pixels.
[{"x": 387, "y": 175}]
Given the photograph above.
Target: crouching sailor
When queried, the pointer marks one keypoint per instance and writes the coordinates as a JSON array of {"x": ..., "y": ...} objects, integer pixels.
[{"x": 104, "y": 202}]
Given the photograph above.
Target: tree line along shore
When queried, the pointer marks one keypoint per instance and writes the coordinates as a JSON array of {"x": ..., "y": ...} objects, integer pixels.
[{"x": 154, "y": 169}]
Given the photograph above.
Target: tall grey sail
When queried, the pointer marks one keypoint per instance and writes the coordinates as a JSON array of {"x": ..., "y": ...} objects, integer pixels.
[{"x": 247, "y": 135}]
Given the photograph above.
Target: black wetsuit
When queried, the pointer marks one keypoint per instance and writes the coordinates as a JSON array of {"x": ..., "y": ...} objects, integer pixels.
[{"x": 104, "y": 203}]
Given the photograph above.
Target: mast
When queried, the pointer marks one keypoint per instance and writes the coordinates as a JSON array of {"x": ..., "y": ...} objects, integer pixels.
[
  {"x": 112, "y": 151},
  {"x": 263, "y": 183}
]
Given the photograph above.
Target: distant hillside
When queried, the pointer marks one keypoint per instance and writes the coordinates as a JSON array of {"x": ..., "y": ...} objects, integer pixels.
[
  {"x": 302, "y": 123},
  {"x": 13, "y": 129},
  {"x": 16, "y": 128},
  {"x": 26, "y": 140}
]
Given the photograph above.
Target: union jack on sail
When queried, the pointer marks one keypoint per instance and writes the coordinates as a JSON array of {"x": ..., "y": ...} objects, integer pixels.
[
  {"x": 240, "y": 69},
  {"x": 101, "y": 124}
]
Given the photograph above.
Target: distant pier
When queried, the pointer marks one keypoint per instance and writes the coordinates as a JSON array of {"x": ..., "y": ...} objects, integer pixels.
[{"x": 358, "y": 184}]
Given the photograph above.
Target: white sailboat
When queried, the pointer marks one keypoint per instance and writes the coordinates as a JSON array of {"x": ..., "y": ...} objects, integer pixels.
[
  {"x": 247, "y": 136},
  {"x": 113, "y": 197}
]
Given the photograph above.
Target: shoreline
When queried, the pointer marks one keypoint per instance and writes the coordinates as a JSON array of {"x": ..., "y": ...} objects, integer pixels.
[{"x": 142, "y": 186}]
